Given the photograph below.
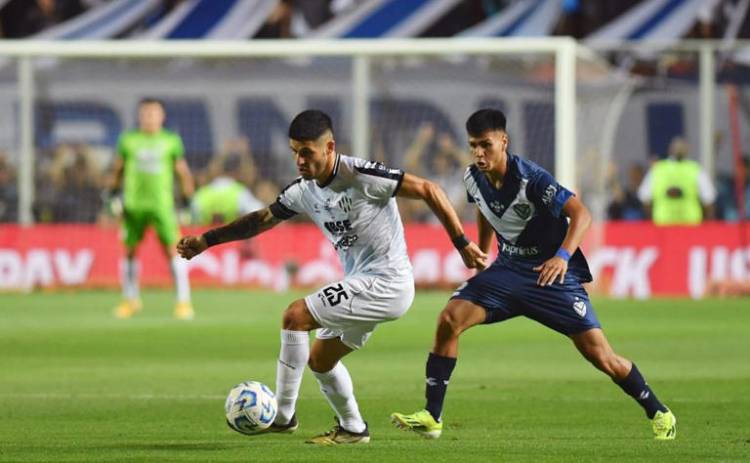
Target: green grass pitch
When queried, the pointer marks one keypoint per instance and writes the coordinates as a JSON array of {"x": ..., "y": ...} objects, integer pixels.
[{"x": 78, "y": 385}]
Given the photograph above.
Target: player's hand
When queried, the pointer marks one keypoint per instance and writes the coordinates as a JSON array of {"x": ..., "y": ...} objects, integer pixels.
[
  {"x": 112, "y": 202},
  {"x": 474, "y": 257},
  {"x": 551, "y": 270},
  {"x": 190, "y": 246}
]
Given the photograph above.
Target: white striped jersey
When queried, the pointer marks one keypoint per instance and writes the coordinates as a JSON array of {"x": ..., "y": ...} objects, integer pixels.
[{"x": 356, "y": 211}]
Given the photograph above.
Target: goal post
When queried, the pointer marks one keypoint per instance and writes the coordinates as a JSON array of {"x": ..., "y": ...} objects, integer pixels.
[{"x": 37, "y": 58}]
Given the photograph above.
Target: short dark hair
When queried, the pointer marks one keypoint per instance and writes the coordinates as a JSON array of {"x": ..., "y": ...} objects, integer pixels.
[
  {"x": 484, "y": 120},
  {"x": 309, "y": 125},
  {"x": 150, "y": 100}
]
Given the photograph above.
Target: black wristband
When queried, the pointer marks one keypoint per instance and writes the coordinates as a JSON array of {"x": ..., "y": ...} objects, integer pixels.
[
  {"x": 211, "y": 238},
  {"x": 460, "y": 241}
]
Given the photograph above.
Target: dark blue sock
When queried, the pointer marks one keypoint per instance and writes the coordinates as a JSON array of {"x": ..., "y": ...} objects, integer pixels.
[
  {"x": 635, "y": 386},
  {"x": 438, "y": 372}
]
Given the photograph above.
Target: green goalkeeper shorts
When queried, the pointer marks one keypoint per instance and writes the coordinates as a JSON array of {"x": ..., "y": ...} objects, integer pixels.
[{"x": 135, "y": 222}]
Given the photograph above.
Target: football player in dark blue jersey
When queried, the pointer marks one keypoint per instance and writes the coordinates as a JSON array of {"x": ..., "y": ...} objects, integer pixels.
[{"x": 539, "y": 271}]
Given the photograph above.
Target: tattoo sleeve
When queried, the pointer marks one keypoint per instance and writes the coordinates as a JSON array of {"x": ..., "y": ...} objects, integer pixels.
[{"x": 243, "y": 228}]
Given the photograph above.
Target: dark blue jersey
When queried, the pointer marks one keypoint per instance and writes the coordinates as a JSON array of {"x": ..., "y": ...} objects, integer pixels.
[{"x": 526, "y": 214}]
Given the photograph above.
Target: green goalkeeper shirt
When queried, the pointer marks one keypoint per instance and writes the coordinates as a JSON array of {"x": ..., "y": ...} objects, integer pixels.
[{"x": 149, "y": 161}]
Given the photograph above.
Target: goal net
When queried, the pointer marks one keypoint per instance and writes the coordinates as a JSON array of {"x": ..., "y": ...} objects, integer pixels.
[{"x": 232, "y": 110}]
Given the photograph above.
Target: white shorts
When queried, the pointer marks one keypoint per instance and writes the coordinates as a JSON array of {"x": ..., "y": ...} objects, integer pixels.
[{"x": 350, "y": 309}]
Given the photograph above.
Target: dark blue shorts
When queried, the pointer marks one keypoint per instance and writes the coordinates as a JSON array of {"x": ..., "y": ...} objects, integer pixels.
[{"x": 506, "y": 292}]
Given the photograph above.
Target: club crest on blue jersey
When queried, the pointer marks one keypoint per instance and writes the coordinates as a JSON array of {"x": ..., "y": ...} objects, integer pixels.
[
  {"x": 523, "y": 210},
  {"x": 580, "y": 307}
]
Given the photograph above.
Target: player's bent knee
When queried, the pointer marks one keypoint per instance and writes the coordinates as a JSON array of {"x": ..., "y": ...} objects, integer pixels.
[
  {"x": 296, "y": 317},
  {"x": 320, "y": 365},
  {"x": 449, "y": 324},
  {"x": 458, "y": 316}
]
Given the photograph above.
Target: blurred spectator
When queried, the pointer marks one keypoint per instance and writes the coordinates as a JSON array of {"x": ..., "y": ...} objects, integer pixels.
[
  {"x": 229, "y": 171},
  {"x": 708, "y": 17},
  {"x": 677, "y": 189},
  {"x": 71, "y": 192},
  {"x": 8, "y": 191},
  {"x": 572, "y": 20},
  {"x": 462, "y": 16},
  {"x": 579, "y": 18},
  {"x": 726, "y": 200},
  {"x": 297, "y": 18},
  {"x": 307, "y": 15},
  {"x": 491, "y": 7},
  {"x": 266, "y": 191},
  {"x": 22, "y": 18},
  {"x": 445, "y": 165},
  {"x": 225, "y": 198},
  {"x": 625, "y": 204},
  {"x": 238, "y": 149},
  {"x": 278, "y": 24}
]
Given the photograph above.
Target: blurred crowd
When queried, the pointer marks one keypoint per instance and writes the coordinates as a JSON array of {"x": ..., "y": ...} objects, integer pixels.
[
  {"x": 580, "y": 18},
  {"x": 70, "y": 179},
  {"x": 22, "y": 18},
  {"x": 289, "y": 19},
  {"x": 295, "y": 18},
  {"x": 8, "y": 190}
]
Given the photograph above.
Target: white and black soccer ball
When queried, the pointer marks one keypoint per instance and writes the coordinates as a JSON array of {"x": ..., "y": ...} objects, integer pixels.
[{"x": 250, "y": 407}]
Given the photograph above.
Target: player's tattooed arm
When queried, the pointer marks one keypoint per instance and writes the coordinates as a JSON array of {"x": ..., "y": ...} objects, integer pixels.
[
  {"x": 418, "y": 188},
  {"x": 245, "y": 227}
]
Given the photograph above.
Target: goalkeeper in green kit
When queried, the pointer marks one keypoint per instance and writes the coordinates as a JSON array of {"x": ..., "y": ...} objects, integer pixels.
[{"x": 144, "y": 168}]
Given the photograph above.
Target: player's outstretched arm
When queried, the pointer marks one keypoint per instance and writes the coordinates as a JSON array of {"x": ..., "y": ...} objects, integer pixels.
[
  {"x": 243, "y": 228},
  {"x": 419, "y": 188},
  {"x": 114, "y": 182},
  {"x": 187, "y": 186},
  {"x": 112, "y": 186},
  {"x": 554, "y": 269}
]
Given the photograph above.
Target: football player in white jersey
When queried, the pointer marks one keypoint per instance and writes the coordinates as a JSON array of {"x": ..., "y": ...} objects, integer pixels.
[{"x": 352, "y": 201}]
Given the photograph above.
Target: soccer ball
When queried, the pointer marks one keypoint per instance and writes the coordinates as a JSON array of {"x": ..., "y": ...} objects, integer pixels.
[{"x": 250, "y": 407}]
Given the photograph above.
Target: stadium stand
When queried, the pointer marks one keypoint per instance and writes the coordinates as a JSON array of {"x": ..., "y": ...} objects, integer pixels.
[{"x": 527, "y": 18}]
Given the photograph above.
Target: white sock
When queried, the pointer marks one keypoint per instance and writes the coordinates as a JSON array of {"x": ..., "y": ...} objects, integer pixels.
[
  {"x": 295, "y": 349},
  {"x": 129, "y": 278},
  {"x": 339, "y": 390},
  {"x": 181, "y": 281}
]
